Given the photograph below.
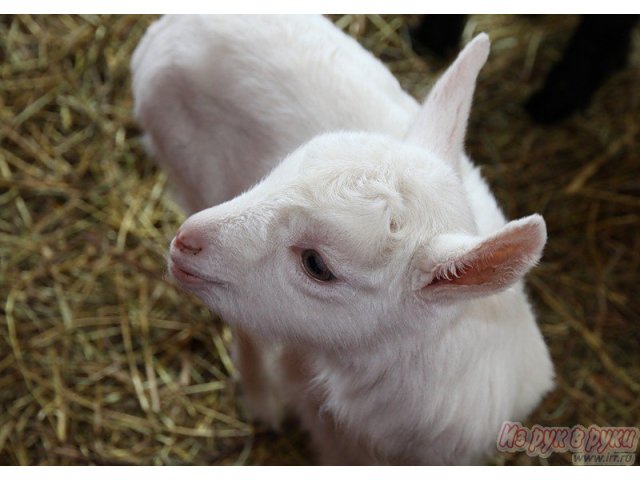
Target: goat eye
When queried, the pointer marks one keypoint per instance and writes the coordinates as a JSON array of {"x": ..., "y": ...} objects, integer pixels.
[{"x": 315, "y": 267}]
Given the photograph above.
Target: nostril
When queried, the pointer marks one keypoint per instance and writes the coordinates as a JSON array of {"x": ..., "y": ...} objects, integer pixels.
[{"x": 187, "y": 243}]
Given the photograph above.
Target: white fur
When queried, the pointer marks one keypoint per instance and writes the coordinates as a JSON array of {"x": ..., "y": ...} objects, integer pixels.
[{"x": 425, "y": 342}]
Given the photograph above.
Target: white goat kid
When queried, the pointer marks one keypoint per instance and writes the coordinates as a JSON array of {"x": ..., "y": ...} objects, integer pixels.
[{"x": 373, "y": 283}]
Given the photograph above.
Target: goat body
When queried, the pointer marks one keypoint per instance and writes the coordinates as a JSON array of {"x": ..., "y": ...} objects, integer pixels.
[{"x": 372, "y": 282}]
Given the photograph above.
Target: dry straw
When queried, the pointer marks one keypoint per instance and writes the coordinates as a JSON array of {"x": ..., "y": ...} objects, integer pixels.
[{"x": 104, "y": 361}]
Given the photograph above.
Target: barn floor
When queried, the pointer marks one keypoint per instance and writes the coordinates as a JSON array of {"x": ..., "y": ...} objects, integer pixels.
[{"x": 103, "y": 361}]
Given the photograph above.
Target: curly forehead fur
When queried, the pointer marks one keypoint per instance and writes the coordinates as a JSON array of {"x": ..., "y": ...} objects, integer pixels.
[{"x": 370, "y": 191}]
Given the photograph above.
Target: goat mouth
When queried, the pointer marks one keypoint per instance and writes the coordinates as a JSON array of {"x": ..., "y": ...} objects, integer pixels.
[{"x": 188, "y": 277}]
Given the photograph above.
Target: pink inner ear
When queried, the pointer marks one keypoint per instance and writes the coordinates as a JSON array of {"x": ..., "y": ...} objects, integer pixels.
[
  {"x": 498, "y": 261},
  {"x": 483, "y": 265}
]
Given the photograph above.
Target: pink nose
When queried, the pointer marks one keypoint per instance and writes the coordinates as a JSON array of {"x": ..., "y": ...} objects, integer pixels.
[{"x": 189, "y": 242}]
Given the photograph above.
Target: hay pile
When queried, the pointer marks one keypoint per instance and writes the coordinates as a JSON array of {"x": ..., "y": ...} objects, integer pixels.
[{"x": 103, "y": 361}]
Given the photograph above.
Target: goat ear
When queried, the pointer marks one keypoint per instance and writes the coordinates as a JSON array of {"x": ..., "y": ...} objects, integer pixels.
[
  {"x": 441, "y": 124},
  {"x": 465, "y": 267}
]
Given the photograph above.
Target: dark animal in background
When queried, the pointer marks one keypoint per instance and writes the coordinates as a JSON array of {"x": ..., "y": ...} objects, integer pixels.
[
  {"x": 438, "y": 34},
  {"x": 598, "y": 47}
]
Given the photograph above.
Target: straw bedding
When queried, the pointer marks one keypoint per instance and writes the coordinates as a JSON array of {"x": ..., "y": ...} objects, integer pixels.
[{"x": 103, "y": 361}]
